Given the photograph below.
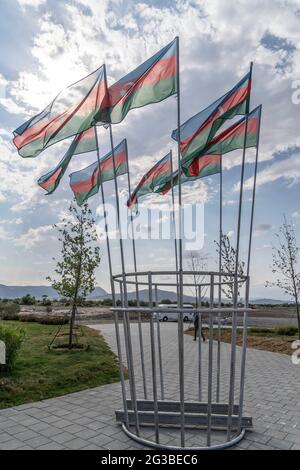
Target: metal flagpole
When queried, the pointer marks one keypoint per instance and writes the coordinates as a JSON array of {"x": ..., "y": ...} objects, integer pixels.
[
  {"x": 161, "y": 374},
  {"x": 245, "y": 322},
  {"x": 236, "y": 288},
  {"x": 116, "y": 319},
  {"x": 173, "y": 214},
  {"x": 220, "y": 283},
  {"x": 174, "y": 224},
  {"x": 136, "y": 283},
  {"x": 127, "y": 318},
  {"x": 180, "y": 318}
]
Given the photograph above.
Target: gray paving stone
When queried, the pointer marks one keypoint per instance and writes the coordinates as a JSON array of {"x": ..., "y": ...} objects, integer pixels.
[
  {"x": 51, "y": 446},
  {"x": 86, "y": 419},
  {"x": 77, "y": 444},
  {"x": 63, "y": 437},
  {"x": 280, "y": 444}
]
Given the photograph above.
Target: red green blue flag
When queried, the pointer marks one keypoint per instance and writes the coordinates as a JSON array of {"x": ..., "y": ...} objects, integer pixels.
[
  {"x": 71, "y": 112},
  {"x": 230, "y": 139},
  {"x": 152, "y": 179},
  {"x": 196, "y": 132},
  {"x": 82, "y": 143},
  {"x": 151, "y": 82},
  {"x": 207, "y": 165},
  {"x": 86, "y": 182}
]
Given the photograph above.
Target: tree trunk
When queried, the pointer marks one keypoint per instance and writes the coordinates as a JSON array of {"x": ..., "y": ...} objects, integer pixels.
[
  {"x": 72, "y": 321},
  {"x": 298, "y": 317}
]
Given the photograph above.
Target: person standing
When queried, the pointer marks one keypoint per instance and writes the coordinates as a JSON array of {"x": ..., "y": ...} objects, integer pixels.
[{"x": 196, "y": 327}]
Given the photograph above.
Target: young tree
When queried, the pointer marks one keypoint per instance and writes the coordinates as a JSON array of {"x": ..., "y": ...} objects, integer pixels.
[
  {"x": 285, "y": 259},
  {"x": 79, "y": 258},
  {"x": 228, "y": 260},
  {"x": 198, "y": 264}
]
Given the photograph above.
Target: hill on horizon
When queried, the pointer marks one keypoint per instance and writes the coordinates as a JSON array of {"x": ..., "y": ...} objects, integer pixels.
[{"x": 14, "y": 292}]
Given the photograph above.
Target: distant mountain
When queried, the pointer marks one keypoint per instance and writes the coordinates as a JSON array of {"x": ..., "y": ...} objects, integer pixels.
[
  {"x": 161, "y": 295},
  {"x": 14, "y": 292},
  {"x": 269, "y": 302}
]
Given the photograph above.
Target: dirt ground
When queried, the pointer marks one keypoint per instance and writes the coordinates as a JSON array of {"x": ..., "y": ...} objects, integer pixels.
[{"x": 279, "y": 344}]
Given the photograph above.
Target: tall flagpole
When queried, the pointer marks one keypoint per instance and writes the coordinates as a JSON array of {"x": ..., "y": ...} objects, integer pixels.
[
  {"x": 253, "y": 198},
  {"x": 126, "y": 317},
  {"x": 136, "y": 282},
  {"x": 180, "y": 314},
  {"x": 236, "y": 284},
  {"x": 245, "y": 323},
  {"x": 173, "y": 216},
  {"x": 220, "y": 282},
  {"x": 100, "y": 183}
]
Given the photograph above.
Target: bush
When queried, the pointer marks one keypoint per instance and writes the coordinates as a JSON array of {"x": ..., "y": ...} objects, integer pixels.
[
  {"x": 44, "y": 319},
  {"x": 46, "y": 302},
  {"x": 9, "y": 310},
  {"x": 28, "y": 300},
  {"x": 13, "y": 340},
  {"x": 286, "y": 330}
]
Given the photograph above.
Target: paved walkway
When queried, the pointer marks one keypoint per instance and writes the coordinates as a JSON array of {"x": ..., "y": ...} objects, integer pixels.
[{"x": 85, "y": 420}]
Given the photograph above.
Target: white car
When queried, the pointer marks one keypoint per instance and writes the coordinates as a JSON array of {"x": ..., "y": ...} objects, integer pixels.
[{"x": 173, "y": 316}]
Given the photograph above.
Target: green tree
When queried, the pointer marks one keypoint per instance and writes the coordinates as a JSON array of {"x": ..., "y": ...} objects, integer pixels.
[
  {"x": 28, "y": 300},
  {"x": 228, "y": 260},
  {"x": 285, "y": 263},
  {"x": 79, "y": 258}
]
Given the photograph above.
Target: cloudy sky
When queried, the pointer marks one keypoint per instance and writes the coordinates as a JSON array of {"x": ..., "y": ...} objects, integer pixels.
[{"x": 47, "y": 44}]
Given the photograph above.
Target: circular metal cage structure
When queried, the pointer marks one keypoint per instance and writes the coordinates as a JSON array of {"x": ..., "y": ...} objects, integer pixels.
[{"x": 182, "y": 394}]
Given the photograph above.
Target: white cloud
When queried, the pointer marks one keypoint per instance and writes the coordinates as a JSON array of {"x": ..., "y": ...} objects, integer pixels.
[
  {"x": 31, "y": 3},
  {"x": 35, "y": 236},
  {"x": 3, "y": 234},
  {"x": 217, "y": 41},
  {"x": 262, "y": 228},
  {"x": 296, "y": 215},
  {"x": 288, "y": 169}
]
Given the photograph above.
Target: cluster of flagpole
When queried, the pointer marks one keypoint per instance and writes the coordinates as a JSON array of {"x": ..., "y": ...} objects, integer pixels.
[{"x": 29, "y": 145}]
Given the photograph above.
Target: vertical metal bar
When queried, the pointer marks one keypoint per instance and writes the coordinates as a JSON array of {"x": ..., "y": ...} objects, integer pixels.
[
  {"x": 131, "y": 366},
  {"x": 161, "y": 375},
  {"x": 253, "y": 199},
  {"x": 174, "y": 223},
  {"x": 236, "y": 282},
  {"x": 220, "y": 284},
  {"x": 210, "y": 363},
  {"x": 199, "y": 349},
  {"x": 200, "y": 358},
  {"x": 136, "y": 284},
  {"x": 153, "y": 359},
  {"x": 243, "y": 359},
  {"x": 245, "y": 320},
  {"x": 181, "y": 376},
  {"x": 125, "y": 304},
  {"x": 116, "y": 316},
  {"x": 179, "y": 176},
  {"x": 121, "y": 368},
  {"x": 180, "y": 315}
]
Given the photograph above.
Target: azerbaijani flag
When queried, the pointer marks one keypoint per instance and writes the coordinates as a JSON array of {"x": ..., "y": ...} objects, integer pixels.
[
  {"x": 152, "y": 179},
  {"x": 230, "y": 139},
  {"x": 71, "y": 112},
  {"x": 85, "y": 183},
  {"x": 82, "y": 143},
  {"x": 196, "y": 132},
  {"x": 207, "y": 165},
  {"x": 151, "y": 82}
]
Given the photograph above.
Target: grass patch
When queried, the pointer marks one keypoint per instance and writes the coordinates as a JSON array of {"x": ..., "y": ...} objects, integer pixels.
[
  {"x": 41, "y": 373},
  {"x": 267, "y": 339}
]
